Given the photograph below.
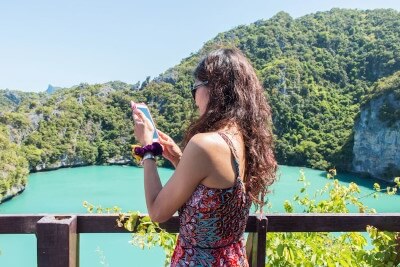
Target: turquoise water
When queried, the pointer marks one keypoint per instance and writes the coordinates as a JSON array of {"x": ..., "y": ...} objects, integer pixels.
[{"x": 64, "y": 190}]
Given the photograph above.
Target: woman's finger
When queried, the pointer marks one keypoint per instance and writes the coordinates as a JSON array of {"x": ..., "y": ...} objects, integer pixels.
[
  {"x": 163, "y": 139},
  {"x": 143, "y": 117},
  {"x": 163, "y": 135},
  {"x": 136, "y": 118},
  {"x": 170, "y": 143},
  {"x": 139, "y": 114}
]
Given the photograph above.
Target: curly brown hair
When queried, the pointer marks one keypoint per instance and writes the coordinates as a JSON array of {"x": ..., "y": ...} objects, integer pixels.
[{"x": 237, "y": 97}]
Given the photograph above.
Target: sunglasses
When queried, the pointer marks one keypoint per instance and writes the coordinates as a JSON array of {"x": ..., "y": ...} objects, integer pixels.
[{"x": 195, "y": 87}]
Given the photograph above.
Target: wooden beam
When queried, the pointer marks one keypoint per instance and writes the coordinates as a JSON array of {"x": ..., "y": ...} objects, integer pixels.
[
  {"x": 105, "y": 223},
  {"x": 330, "y": 222},
  {"x": 18, "y": 223},
  {"x": 277, "y": 222}
]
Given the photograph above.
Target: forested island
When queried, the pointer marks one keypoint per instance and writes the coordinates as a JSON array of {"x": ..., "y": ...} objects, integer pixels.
[{"x": 332, "y": 79}]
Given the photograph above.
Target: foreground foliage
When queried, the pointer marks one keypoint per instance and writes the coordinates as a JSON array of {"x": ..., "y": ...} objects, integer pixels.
[{"x": 328, "y": 249}]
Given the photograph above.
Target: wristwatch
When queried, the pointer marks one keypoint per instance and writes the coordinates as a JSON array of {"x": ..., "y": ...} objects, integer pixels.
[{"x": 148, "y": 155}]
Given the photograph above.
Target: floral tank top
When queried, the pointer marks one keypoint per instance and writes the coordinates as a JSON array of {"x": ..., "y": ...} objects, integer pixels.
[{"x": 212, "y": 223}]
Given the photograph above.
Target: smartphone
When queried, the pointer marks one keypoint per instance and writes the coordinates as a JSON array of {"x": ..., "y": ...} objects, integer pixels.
[{"x": 145, "y": 109}]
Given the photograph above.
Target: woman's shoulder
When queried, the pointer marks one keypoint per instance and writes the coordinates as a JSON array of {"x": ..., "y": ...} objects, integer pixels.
[
  {"x": 206, "y": 139},
  {"x": 209, "y": 142}
]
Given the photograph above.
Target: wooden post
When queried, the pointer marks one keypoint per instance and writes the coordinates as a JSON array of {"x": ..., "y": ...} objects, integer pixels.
[
  {"x": 57, "y": 241},
  {"x": 262, "y": 225},
  {"x": 256, "y": 243}
]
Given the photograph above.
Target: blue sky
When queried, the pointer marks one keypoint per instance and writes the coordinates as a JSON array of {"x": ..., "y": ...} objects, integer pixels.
[{"x": 64, "y": 43}]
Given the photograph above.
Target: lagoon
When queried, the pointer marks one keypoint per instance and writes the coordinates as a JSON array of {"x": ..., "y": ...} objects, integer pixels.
[{"x": 64, "y": 190}]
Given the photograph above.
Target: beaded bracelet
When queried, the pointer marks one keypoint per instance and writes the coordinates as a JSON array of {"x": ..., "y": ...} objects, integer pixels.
[{"x": 139, "y": 151}]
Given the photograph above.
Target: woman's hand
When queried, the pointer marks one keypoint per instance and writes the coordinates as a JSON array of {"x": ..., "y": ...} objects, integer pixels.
[
  {"x": 171, "y": 150},
  {"x": 143, "y": 128}
]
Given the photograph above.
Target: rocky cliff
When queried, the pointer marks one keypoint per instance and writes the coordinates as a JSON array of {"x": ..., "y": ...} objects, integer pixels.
[
  {"x": 15, "y": 190},
  {"x": 65, "y": 162},
  {"x": 377, "y": 142}
]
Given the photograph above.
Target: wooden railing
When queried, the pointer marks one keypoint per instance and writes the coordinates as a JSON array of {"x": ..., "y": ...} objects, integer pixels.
[{"x": 58, "y": 235}]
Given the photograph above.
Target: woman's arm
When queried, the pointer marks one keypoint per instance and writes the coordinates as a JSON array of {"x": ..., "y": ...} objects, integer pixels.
[
  {"x": 193, "y": 167},
  {"x": 163, "y": 202}
]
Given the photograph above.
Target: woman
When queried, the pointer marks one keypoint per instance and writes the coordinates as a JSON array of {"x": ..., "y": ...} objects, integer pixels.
[{"x": 227, "y": 163}]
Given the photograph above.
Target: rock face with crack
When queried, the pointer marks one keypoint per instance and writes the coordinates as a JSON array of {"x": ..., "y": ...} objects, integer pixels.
[{"x": 376, "y": 144}]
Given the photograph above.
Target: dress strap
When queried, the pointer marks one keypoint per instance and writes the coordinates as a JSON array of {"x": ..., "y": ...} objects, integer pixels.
[{"x": 233, "y": 151}]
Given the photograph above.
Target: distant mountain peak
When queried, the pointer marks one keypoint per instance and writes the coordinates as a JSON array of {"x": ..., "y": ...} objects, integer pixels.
[{"x": 51, "y": 89}]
